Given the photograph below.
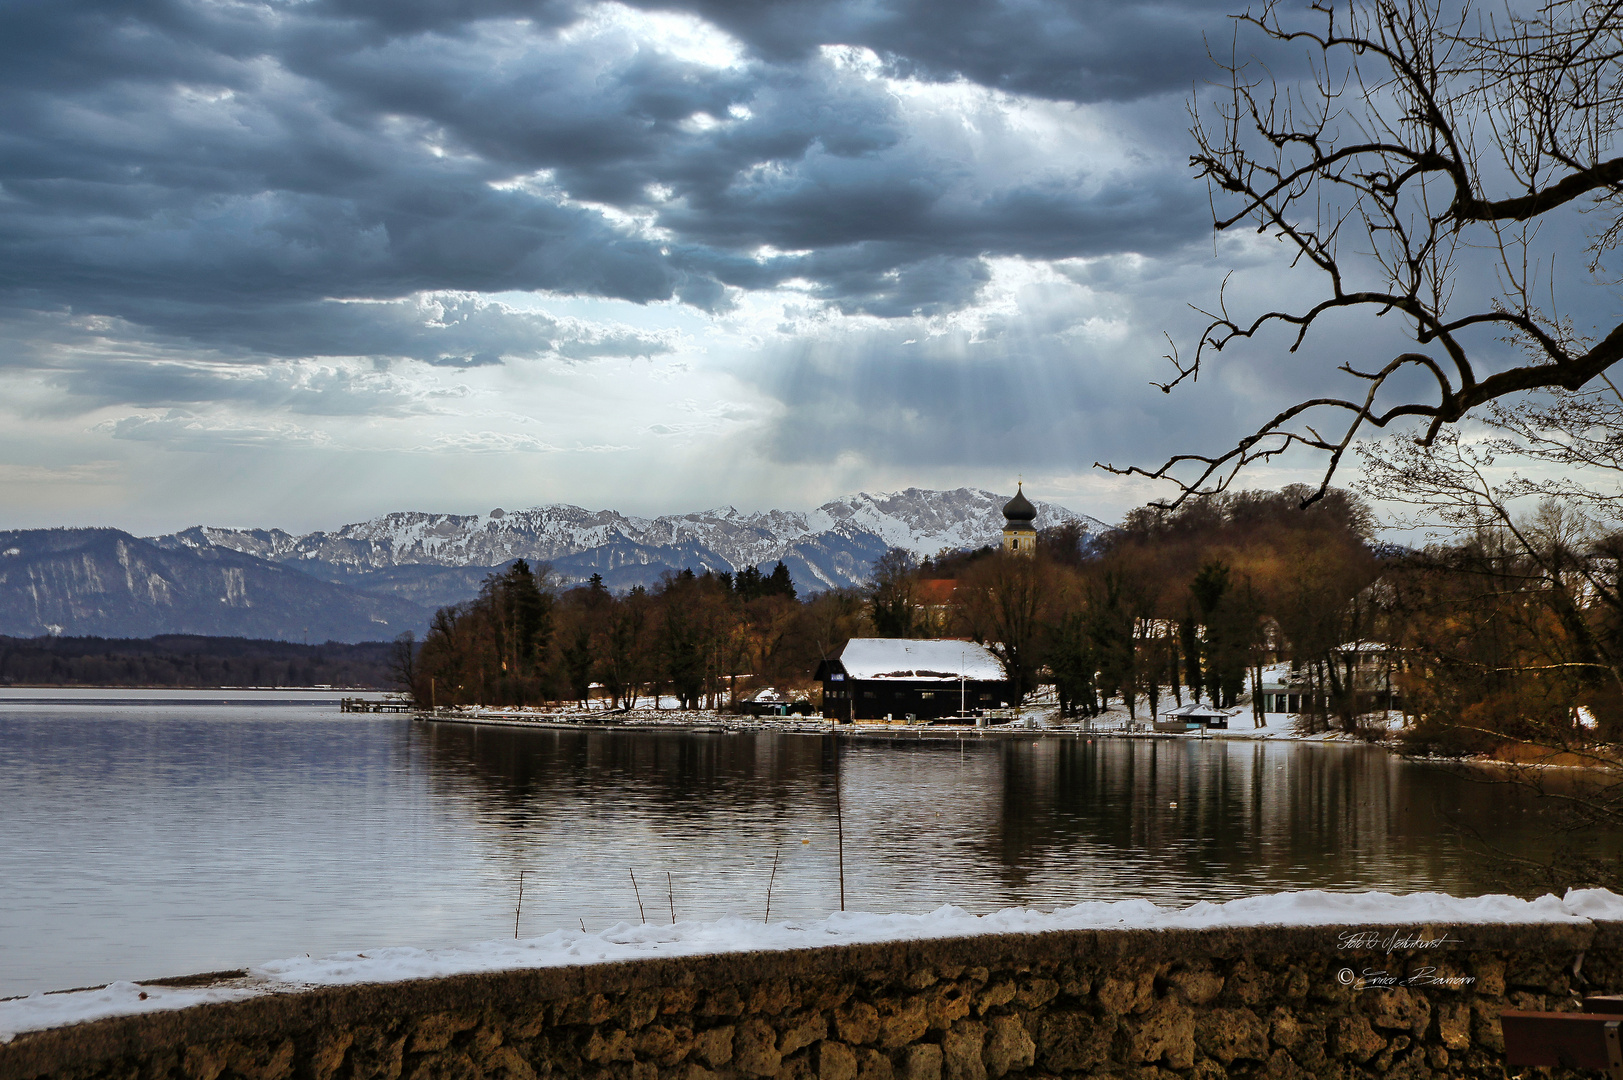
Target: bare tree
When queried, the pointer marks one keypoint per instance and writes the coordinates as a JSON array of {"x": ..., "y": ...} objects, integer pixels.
[{"x": 1425, "y": 136}]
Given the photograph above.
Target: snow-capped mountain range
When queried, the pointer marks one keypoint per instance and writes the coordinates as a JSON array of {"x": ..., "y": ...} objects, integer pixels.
[
  {"x": 377, "y": 578},
  {"x": 428, "y": 557}
]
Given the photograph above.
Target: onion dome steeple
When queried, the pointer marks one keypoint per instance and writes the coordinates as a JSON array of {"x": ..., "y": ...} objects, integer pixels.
[
  {"x": 1019, "y": 509},
  {"x": 1019, "y": 535}
]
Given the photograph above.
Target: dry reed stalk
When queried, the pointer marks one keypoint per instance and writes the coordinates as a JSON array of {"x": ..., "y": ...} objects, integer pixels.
[
  {"x": 775, "y": 853},
  {"x": 641, "y": 914}
]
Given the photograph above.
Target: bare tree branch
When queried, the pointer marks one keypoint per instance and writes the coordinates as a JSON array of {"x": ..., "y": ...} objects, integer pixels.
[{"x": 1424, "y": 134}]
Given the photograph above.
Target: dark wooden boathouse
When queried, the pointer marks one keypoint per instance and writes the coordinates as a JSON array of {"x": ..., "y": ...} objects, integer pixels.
[{"x": 905, "y": 679}]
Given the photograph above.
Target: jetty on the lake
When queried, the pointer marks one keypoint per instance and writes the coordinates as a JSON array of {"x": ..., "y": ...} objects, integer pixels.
[{"x": 374, "y": 705}]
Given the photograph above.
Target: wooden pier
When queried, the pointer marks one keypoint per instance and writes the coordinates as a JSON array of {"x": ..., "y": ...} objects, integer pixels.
[{"x": 355, "y": 704}]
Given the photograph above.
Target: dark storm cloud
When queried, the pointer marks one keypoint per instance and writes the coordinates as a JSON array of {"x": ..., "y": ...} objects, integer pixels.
[
  {"x": 1068, "y": 50},
  {"x": 213, "y": 172}
]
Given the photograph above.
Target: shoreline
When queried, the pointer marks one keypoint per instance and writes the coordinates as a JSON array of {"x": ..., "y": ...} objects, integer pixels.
[{"x": 710, "y": 723}]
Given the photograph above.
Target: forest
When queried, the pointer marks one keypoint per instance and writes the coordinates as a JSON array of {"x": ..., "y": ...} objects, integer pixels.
[
  {"x": 194, "y": 661},
  {"x": 1492, "y": 638},
  {"x": 1177, "y": 602}
]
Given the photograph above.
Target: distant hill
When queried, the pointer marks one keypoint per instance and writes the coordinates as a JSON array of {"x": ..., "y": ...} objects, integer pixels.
[
  {"x": 107, "y": 583},
  {"x": 439, "y": 558},
  {"x": 178, "y": 660}
]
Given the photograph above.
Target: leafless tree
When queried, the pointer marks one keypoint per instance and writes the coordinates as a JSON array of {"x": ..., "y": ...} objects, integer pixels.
[{"x": 1426, "y": 135}]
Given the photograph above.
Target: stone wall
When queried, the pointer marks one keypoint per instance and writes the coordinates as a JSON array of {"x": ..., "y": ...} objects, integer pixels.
[{"x": 1383, "y": 1001}]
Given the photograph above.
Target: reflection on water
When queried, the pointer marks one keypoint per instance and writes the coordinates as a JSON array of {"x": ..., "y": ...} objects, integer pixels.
[{"x": 155, "y": 838}]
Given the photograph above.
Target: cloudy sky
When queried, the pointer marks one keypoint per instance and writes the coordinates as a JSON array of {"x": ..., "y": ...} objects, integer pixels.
[{"x": 299, "y": 263}]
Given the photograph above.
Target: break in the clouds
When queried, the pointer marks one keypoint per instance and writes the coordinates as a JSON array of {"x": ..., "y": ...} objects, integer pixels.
[{"x": 638, "y": 254}]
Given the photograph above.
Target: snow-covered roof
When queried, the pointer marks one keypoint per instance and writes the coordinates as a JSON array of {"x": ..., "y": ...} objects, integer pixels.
[
  {"x": 907, "y": 658},
  {"x": 1195, "y": 708}
]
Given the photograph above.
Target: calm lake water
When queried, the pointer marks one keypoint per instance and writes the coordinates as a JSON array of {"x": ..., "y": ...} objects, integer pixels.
[{"x": 163, "y": 833}]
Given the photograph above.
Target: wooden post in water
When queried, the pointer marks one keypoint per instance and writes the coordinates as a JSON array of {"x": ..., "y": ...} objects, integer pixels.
[{"x": 839, "y": 820}]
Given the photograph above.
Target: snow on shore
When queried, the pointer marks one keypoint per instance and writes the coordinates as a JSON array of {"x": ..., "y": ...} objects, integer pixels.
[{"x": 628, "y": 941}]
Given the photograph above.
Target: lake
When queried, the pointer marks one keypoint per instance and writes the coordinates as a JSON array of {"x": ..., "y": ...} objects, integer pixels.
[{"x": 168, "y": 832}]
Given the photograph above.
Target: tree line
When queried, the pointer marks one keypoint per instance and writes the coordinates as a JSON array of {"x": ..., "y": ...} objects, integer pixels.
[
  {"x": 702, "y": 638},
  {"x": 1187, "y": 601},
  {"x": 189, "y": 660}
]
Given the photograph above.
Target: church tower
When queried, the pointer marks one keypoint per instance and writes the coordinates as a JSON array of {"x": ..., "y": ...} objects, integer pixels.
[{"x": 1019, "y": 535}]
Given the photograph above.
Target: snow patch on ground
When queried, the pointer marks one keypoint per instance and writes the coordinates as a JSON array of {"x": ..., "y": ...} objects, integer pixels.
[{"x": 628, "y": 941}]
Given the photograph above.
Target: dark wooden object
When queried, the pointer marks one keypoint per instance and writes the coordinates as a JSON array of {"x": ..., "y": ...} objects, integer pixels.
[{"x": 1592, "y": 1039}]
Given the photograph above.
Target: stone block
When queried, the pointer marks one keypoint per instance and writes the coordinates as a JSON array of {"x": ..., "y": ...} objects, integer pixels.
[
  {"x": 872, "y": 1065},
  {"x": 1009, "y": 1047},
  {"x": 1231, "y": 1034},
  {"x": 444, "y": 1065},
  {"x": 527, "y": 1024},
  {"x": 1283, "y": 1028},
  {"x": 664, "y": 1044},
  {"x": 920, "y": 979},
  {"x": 901, "y": 1021},
  {"x": 835, "y": 1061},
  {"x": 755, "y": 1049},
  {"x": 1127, "y": 992},
  {"x": 1454, "y": 1024},
  {"x": 614, "y": 1046},
  {"x": 771, "y": 997},
  {"x": 1165, "y": 1033},
  {"x": 1490, "y": 975},
  {"x": 1295, "y": 985},
  {"x": 714, "y": 1047},
  {"x": 1354, "y": 1038},
  {"x": 1035, "y": 993},
  {"x": 999, "y": 993},
  {"x": 961, "y": 1050},
  {"x": 1248, "y": 984},
  {"x": 1396, "y": 1008},
  {"x": 677, "y": 999},
  {"x": 504, "y": 1063},
  {"x": 1197, "y": 986},
  {"x": 802, "y": 1031},
  {"x": 828, "y": 996},
  {"x": 328, "y": 1053},
  {"x": 1073, "y": 1041},
  {"x": 1281, "y": 1066},
  {"x": 726, "y": 1001},
  {"x": 921, "y": 1061},
  {"x": 947, "y": 1003},
  {"x": 376, "y": 1054},
  {"x": 1485, "y": 1030},
  {"x": 857, "y": 1023},
  {"x": 485, "y": 1038},
  {"x": 798, "y": 1067},
  {"x": 203, "y": 1061}
]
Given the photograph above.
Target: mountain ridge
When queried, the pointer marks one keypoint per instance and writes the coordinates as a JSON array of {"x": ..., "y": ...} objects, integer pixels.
[
  {"x": 831, "y": 546},
  {"x": 373, "y": 579},
  {"x": 108, "y": 583}
]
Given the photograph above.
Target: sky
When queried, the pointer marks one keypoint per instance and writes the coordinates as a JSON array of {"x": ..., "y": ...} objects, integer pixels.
[{"x": 297, "y": 264}]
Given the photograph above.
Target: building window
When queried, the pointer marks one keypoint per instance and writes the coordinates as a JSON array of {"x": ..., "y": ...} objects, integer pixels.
[{"x": 867, "y": 693}]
